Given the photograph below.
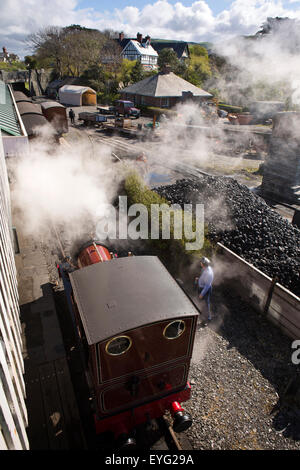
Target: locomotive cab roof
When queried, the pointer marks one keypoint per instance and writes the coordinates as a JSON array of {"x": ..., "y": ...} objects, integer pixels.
[{"x": 125, "y": 293}]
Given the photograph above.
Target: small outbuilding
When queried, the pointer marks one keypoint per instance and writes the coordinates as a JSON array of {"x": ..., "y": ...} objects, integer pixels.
[
  {"x": 75, "y": 95},
  {"x": 56, "y": 114}
]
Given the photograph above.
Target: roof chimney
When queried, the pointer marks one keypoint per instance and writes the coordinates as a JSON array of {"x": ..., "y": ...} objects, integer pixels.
[
  {"x": 148, "y": 39},
  {"x": 139, "y": 37},
  {"x": 121, "y": 36},
  {"x": 4, "y": 50}
]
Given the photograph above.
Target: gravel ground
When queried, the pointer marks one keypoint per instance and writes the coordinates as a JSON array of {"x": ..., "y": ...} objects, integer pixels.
[{"x": 241, "y": 366}]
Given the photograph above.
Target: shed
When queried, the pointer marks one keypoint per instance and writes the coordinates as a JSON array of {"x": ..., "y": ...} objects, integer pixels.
[
  {"x": 55, "y": 113},
  {"x": 75, "y": 95}
]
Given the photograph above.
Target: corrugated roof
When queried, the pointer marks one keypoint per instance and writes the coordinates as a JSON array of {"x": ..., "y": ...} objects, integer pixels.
[
  {"x": 9, "y": 122},
  {"x": 164, "y": 85}
]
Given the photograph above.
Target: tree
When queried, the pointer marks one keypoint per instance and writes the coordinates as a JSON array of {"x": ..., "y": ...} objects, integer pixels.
[
  {"x": 49, "y": 43},
  {"x": 31, "y": 61},
  {"x": 74, "y": 49},
  {"x": 137, "y": 72},
  {"x": 169, "y": 57}
]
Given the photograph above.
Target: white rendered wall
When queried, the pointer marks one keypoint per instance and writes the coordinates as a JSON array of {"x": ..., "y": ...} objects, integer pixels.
[{"x": 13, "y": 414}]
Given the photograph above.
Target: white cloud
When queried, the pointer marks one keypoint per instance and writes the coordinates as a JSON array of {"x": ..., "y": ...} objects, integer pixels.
[{"x": 158, "y": 18}]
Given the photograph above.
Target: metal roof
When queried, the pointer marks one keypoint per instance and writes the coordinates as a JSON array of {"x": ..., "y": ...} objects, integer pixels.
[
  {"x": 27, "y": 107},
  {"x": 9, "y": 122},
  {"x": 51, "y": 104},
  {"x": 125, "y": 293},
  {"x": 75, "y": 89},
  {"x": 164, "y": 85},
  {"x": 20, "y": 96},
  {"x": 32, "y": 121}
]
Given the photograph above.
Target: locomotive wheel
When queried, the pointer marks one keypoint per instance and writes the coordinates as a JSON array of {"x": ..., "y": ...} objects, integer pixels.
[{"x": 182, "y": 421}]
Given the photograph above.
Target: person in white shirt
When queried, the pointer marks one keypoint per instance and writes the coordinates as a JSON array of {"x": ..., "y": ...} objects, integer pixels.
[{"x": 204, "y": 283}]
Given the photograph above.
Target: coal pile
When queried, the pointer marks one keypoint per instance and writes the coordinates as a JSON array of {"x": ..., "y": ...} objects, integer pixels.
[{"x": 245, "y": 224}]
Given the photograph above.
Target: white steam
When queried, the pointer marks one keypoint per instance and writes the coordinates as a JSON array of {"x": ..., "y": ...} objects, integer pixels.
[
  {"x": 271, "y": 60},
  {"x": 62, "y": 185}
]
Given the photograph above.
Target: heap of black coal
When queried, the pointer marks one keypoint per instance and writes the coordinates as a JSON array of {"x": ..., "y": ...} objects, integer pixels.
[{"x": 245, "y": 224}]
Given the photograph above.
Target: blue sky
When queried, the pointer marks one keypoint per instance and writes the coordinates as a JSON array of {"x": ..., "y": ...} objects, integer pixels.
[
  {"x": 192, "y": 21},
  {"x": 216, "y": 5}
]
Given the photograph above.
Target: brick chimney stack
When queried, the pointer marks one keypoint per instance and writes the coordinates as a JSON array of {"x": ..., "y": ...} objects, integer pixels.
[
  {"x": 121, "y": 36},
  {"x": 139, "y": 37},
  {"x": 148, "y": 39},
  {"x": 4, "y": 50}
]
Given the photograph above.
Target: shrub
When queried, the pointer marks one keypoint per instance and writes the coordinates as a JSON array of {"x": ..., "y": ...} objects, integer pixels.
[{"x": 172, "y": 251}]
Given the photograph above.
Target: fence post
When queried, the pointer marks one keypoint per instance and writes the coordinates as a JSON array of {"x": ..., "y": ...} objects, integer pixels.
[{"x": 271, "y": 290}]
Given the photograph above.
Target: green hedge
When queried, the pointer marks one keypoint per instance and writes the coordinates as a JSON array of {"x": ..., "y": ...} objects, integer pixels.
[{"x": 172, "y": 252}]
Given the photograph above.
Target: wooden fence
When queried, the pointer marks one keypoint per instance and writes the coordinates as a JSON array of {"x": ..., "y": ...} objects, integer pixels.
[{"x": 264, "y": 294}]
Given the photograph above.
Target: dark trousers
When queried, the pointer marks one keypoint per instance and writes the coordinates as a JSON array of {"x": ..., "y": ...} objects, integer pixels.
[{"x": 206, "y": 298}]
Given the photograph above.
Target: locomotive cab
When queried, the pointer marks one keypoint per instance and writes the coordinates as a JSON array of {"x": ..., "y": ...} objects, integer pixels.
[{"x": 139, "y": 327}]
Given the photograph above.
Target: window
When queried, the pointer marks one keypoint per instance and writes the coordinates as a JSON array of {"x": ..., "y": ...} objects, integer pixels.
[
  {"x": 174, "y": 329},
  {"x": 118, "y": 345}
]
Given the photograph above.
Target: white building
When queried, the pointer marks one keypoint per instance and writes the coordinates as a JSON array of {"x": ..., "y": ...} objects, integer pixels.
[
  {"x": 13, "y": 414},
  {"x": 139, "y": 49}
]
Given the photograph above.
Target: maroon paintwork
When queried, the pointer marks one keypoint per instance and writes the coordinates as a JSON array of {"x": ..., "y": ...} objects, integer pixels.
[{"x": 150, "y": 378}]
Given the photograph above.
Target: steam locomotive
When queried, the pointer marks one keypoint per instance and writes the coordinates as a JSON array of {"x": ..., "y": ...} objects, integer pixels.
[{"x": 137, "y": 328}]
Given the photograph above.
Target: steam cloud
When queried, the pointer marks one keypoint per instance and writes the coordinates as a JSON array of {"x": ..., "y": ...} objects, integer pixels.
[
  {"x": 62, "y": 185},
  {"x": 272, "y": 60}
]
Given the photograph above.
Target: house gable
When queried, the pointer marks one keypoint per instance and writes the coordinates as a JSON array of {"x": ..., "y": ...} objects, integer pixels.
[{"x": 145, "y": 53}]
